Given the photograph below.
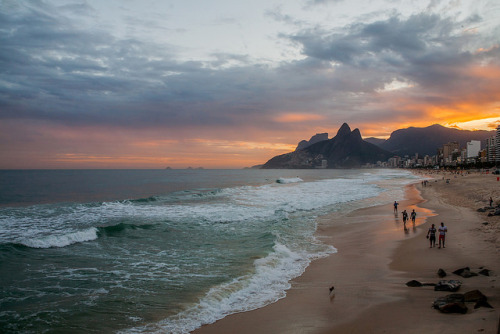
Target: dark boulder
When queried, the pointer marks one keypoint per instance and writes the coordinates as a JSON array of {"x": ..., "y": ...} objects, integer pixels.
[
  {"x": 482, "y": 303},
  {"x": 461, "y": 270},
  {"x": 441, "y": 273},
  {"x": 485, "y": 272},
  {"x": 451, "y": 285},
  {"x": 464, "y": 272},
  {"x": 474, "y": 296},
  {"x": 477, "y": 297},
  {"x": 453, "y": 303},
  {"x": 414, "y": 284}
]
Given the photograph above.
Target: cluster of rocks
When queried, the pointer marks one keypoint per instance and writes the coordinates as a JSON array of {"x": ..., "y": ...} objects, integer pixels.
[
  {"x": 492, "y": 210},
  {"x": 456, "y": 302},
  {"x": 466, "y": 272}
]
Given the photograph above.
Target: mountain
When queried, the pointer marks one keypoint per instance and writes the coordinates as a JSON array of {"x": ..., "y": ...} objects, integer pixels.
[
  {"x": 375, "y": 141},
  {"x": 314, "y": 139},
  {"x": 426, "y": 141},
  {"x": 346, "y": 150}
]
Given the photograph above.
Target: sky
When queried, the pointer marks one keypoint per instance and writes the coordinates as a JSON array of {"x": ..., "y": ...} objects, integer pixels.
[{"x": 230, "y": 84}]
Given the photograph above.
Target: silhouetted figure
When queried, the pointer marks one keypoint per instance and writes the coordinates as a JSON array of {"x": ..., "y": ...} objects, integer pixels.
[
  {"x": 431, "y": 235},
  {"x": 405, "y": 217}
]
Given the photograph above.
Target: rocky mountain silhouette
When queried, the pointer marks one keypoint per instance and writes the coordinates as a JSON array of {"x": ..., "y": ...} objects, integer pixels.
[
  {"x": 314, "y": 139},
  {"x": 346, "y": 150},
  {"x": 426, "y": 141}
]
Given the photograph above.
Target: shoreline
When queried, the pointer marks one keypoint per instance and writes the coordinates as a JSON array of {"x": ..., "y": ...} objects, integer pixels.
[{"x": 375, "y": 259}]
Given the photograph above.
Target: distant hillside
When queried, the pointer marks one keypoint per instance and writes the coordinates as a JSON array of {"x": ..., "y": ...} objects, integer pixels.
[
  {"x": 426, "y": 141},
  {"x": 346, "y": 150},
  {"x": 375, "y": 141},
  {"x": 314, "y": 139}
]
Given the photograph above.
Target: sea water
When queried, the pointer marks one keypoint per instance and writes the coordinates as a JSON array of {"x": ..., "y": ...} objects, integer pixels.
[{"x": 136, "y": 251}]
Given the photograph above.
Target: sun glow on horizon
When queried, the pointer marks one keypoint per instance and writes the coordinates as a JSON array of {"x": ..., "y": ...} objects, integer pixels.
[{"x": 487, "y": 124}]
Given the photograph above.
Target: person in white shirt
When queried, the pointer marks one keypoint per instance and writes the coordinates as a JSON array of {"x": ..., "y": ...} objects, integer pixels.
[{"x": 442, "y": 234}]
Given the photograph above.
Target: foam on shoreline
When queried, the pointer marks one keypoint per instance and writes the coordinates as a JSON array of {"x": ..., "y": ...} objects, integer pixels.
[{"x": 376, "y": 256}]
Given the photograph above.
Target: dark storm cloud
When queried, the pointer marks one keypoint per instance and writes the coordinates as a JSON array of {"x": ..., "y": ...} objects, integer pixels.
[
  {"x": 54, "y": 70},
  {"x": 425, "y": 49},
  {"x": 391, "y": 41}
]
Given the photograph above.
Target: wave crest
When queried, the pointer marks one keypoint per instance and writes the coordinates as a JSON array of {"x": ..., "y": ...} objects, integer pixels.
[
  {"x": 118, "y": 228},
  {"x": 64, "y": 240},
  {"x": 289, "y": 180}
]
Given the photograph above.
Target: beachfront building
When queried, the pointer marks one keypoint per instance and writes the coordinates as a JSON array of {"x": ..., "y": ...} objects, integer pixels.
[
  {"x": 429, "y": 161},
  {"x": 483, "y": 156},
  {"x": 473, "y": 148},
  {"x": 497, "y": 144},
  {"x": 491, "y": 148},
  {"x": 450, "y": 149},
  {"x": 394, "y": 162}
]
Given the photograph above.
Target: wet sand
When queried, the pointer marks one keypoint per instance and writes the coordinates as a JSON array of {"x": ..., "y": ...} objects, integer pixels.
[{"x": 377, "y": 256}]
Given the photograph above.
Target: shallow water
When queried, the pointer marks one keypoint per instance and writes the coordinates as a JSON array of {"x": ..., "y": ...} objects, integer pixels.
[{"x": 163, "y": 250}]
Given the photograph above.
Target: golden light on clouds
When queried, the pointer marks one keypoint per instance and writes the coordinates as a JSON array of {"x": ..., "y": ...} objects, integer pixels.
[
  {"x": 296, "y": 117},
  {"x": 483, "y": 50},
  {"x": 478, "y": 124}
]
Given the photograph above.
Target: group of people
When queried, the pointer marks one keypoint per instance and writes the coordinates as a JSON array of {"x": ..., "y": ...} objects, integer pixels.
[
  {"x": 431, "y": 233},
  {"x": 413, "y": 214}
]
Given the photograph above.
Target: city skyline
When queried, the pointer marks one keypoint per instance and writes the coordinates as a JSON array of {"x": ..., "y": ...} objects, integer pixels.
[{"x": 147, "y": 84}]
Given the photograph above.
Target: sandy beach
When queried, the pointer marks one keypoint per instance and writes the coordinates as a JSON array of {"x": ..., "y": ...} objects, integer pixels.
[{"x": 377, "y": 256}]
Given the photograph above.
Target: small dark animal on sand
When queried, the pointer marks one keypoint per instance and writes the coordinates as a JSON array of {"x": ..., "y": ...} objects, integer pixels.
[{"x": 332, "y": 292}]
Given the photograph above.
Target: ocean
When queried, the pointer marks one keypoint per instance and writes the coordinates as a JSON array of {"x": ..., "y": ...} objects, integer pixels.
[{"x": 164, "y": 251}]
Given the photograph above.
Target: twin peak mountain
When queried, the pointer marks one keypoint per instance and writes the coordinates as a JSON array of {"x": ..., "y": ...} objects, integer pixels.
[{"x": 346, "y": 150}]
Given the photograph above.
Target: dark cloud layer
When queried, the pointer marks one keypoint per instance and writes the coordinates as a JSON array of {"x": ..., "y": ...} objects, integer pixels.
[{"x": 53, "y": 70}]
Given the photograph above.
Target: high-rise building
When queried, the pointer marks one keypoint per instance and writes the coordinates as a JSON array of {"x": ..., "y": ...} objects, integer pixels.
[
  {"x": 491, "y": 148},
  {"x": 497, "y": 144},
  {"x": 448, "y": 150},
  {"x": 473, "y": 148}
]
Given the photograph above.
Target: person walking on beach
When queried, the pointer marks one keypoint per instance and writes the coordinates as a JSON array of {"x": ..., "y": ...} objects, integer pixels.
[
  {"x": 491, "y": 202},
  {"x": 431, "y": 235},
  {"x": 396, "y": 207},
  {"x": 442, "y": 234},
  {"x": 405, "y": 217},
  {"x": 413, "y": 216}
]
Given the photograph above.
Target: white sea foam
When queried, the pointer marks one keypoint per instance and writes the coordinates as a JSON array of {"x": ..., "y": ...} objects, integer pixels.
[
  {"x": 273, "y": 273},
  {"x": 46, "y": 227},
  {"x": 61, "y": 240},
  {"x": 266, "y": 285}
]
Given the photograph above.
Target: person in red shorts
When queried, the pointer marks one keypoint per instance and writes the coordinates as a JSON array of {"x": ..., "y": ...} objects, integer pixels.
[{"x": 442, "y": 234}]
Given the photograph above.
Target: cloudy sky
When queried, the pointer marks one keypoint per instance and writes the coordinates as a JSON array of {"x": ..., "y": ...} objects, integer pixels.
[{"x": 229, "y": 84}]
